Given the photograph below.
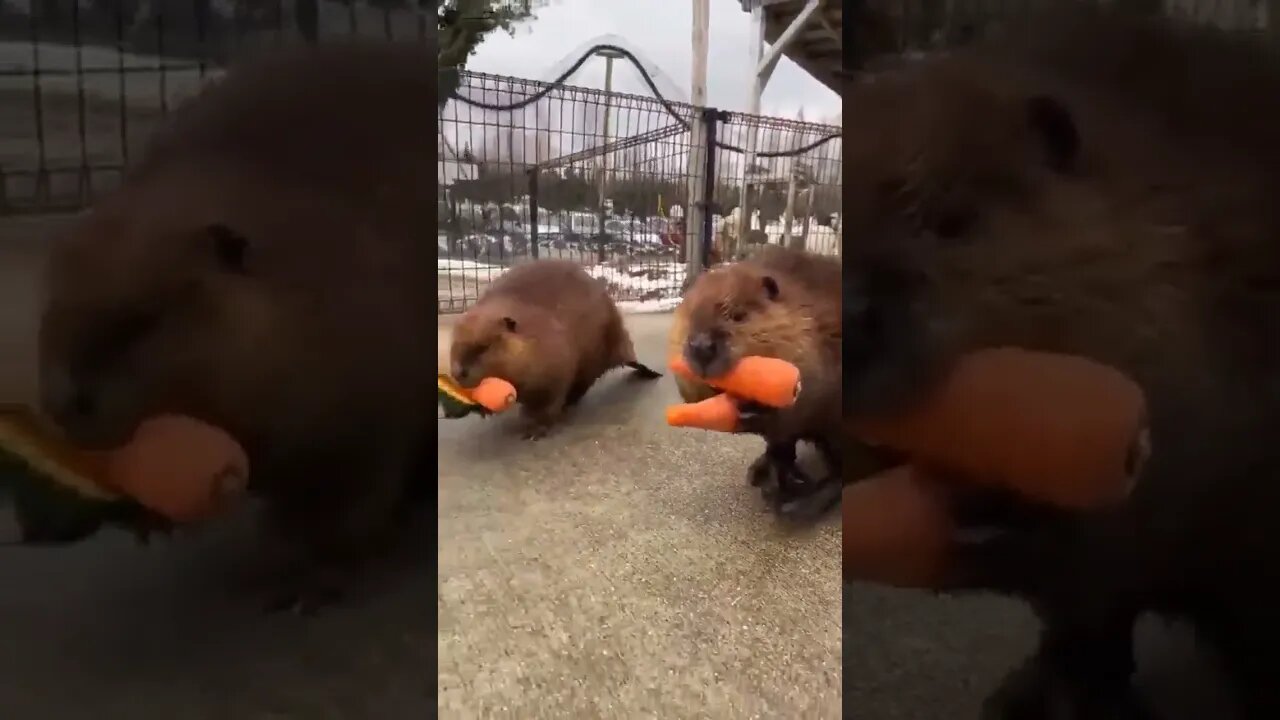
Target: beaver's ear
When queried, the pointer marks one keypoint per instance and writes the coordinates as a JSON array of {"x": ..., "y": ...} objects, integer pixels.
[
  {"x": 1055, "y": 127},
  {"x": 509, "y": 324},
  {"x": 770, "y": 287},
  {"x": 230, "y": 248}
]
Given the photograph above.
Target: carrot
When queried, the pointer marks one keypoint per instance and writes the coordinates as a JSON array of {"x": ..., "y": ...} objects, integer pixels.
[
  {"x": 768, "y": 381},
  {"x": 494, "y": 394},
  {"x": 718, "y": 413},
  {"x": 1058, "y": 429},
  {"x": 178, "y": 467},
  {"x": 897, "y": 529}
]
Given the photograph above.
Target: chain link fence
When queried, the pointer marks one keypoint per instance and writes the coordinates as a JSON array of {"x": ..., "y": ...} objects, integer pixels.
[
  {"x": 590, "y": 176},
  {"x": 84, "y": 82},
  {"x": 888, "y": 27},
  {"x": 792, "y": 198},
  {"x": 527, "y": 169},
  {"x": 542, "y": 169}
]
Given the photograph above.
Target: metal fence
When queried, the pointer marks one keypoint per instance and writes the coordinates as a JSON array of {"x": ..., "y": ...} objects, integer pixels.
[
  {"x": 885, "y": 27},
  {"x": 83, "y": 82},
  {"x": 605, "y": 179},
  {"x": 792, "y": 198},
  {"x": 580, "y": 174}
]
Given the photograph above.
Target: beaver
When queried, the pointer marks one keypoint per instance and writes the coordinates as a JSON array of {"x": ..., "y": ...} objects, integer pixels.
[
  {"x": 261, "y": 267},
  {"x": 551, "y": 330},
  {"x": 1063, "y": 188},
  {"x": 784, "y": 303}
]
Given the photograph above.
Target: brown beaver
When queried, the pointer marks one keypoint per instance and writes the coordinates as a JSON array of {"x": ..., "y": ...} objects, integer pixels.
[
  {"x": 548, "y": 328},
  {"x": 262, "y": 267},
  {"x": 1099, "y": 186},
  {"x": 782, "y": 303}
]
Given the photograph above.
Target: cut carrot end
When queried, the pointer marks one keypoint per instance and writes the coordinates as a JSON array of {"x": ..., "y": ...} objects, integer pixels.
[
  {"x": 718, "y": 413},
  {"x": 180, "y": 468},
  {"x": 494, "y": 394}
]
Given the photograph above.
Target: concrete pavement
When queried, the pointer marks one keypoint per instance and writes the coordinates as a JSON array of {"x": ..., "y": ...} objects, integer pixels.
[{"x": 621, "y": 568}]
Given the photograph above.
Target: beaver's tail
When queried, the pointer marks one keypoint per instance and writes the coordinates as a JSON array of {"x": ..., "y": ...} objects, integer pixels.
[
  {"x": 624, "y": 353},
  {"x": 642, "y": 371}
]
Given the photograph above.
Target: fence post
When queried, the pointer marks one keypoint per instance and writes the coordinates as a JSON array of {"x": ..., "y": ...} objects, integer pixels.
[
  {"x": 702, "y": 183},
  {"x": 710, "y": 116},
  {"x": 694, "y": 243},
  {"x": 533, "y": 212}
]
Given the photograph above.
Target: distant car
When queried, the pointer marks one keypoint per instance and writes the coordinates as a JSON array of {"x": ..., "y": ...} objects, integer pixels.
[{"x": 494, "y": 245}]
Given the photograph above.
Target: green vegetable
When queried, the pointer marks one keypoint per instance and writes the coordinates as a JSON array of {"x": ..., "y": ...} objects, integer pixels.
[
  {"x": 454, "y": 401},
  {"x": 50, "y": 501}
]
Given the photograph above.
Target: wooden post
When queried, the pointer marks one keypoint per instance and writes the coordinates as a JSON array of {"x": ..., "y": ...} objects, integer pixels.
[
  {"x": 808, "y": 213},
  {"x": 755, "y": 51},
  {"x": 603, "y": 165},
  {"x": 696, "y": 209},
  {"x": 788, "y": 215}
]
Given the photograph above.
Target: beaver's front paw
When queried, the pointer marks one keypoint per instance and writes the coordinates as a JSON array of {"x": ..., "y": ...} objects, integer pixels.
[
  {"x": 534, "y": 431},
  {"x": 754, "y": 418},
  {"x": 807, "y": 499},
  {"x": 307, "y": 590},
  {"x": 763, "y": 472},
  {"x": 1035, "y": 691}
]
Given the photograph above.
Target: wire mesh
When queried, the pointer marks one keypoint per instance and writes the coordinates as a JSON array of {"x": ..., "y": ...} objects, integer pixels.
[
  {"x": 606, "y": 175},
  {"x": 83, "y": 82},
  {"x": 792, "y": 199}
]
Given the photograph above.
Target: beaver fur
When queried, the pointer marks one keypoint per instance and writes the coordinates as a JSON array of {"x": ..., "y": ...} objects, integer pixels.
[
  {"x": 782, "y": 303},
  {"x": 548, "y": 328},
  {"x": 262, "y": 267},
  {"x": 1103, "y": 186}
]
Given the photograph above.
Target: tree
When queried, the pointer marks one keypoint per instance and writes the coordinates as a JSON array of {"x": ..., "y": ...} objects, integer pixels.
[{"x": 464, "y": 23}]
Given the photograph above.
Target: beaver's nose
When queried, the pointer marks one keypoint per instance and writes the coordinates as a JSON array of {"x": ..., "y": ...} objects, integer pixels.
[
  {"x": 701, "y": 351},
  {"x": 461, "y": 373},
  {"x": 64, "y": 399}
]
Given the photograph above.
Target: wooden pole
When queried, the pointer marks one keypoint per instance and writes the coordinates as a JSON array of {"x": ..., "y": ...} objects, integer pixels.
[
  {"x": 603, "y": 165},
  {"x": 696, "y": 170},
  {"x": 755, "y": 51}
]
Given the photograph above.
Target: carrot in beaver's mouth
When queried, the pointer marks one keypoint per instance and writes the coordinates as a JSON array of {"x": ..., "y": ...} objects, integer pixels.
[
  {"x": 491, "y": 395},
  {"x": 175, "y": 470},
  {"x": 753, "y": 382}
]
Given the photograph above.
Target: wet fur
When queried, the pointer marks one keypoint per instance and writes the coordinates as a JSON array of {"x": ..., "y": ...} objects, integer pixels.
[
  {"x": 1103, "y": 187},
  {"x": 800, "y": 325},
  {"x": 548, "y": 328},
  {"x": 262, "y": 267}
]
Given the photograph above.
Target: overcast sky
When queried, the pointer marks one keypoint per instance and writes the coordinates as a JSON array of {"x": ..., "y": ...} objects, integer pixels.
[{"x": 659, "y": 30}]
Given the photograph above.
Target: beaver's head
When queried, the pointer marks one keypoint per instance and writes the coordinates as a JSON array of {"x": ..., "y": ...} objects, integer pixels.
[
  {"x": 154, "y": 306},
  {"x": 743, "y": 309},
  {"x": 956, "y": 150},
  {"x": 488, "y": 341}
]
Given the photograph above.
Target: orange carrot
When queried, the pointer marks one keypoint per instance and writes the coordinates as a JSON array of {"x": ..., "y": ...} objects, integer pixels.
[
  {"x": 897, "y": 529},
  {"x": 718, "y": 413},
  {"x": 494, "y": 394},
  {"x": 1059, "y": 429},
  {"x": 178, "y": 467},
  {"x": 768, "y": 381}
]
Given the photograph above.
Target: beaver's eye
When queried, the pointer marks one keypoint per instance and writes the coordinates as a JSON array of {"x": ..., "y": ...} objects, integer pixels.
[{"x": 738, "y": 316}]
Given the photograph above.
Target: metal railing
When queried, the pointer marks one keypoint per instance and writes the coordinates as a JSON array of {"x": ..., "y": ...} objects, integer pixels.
[
  {"x": 527, "y": 169},
  {"x": 541, "y": 169},
  {"x": 82, "y": 83}
]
